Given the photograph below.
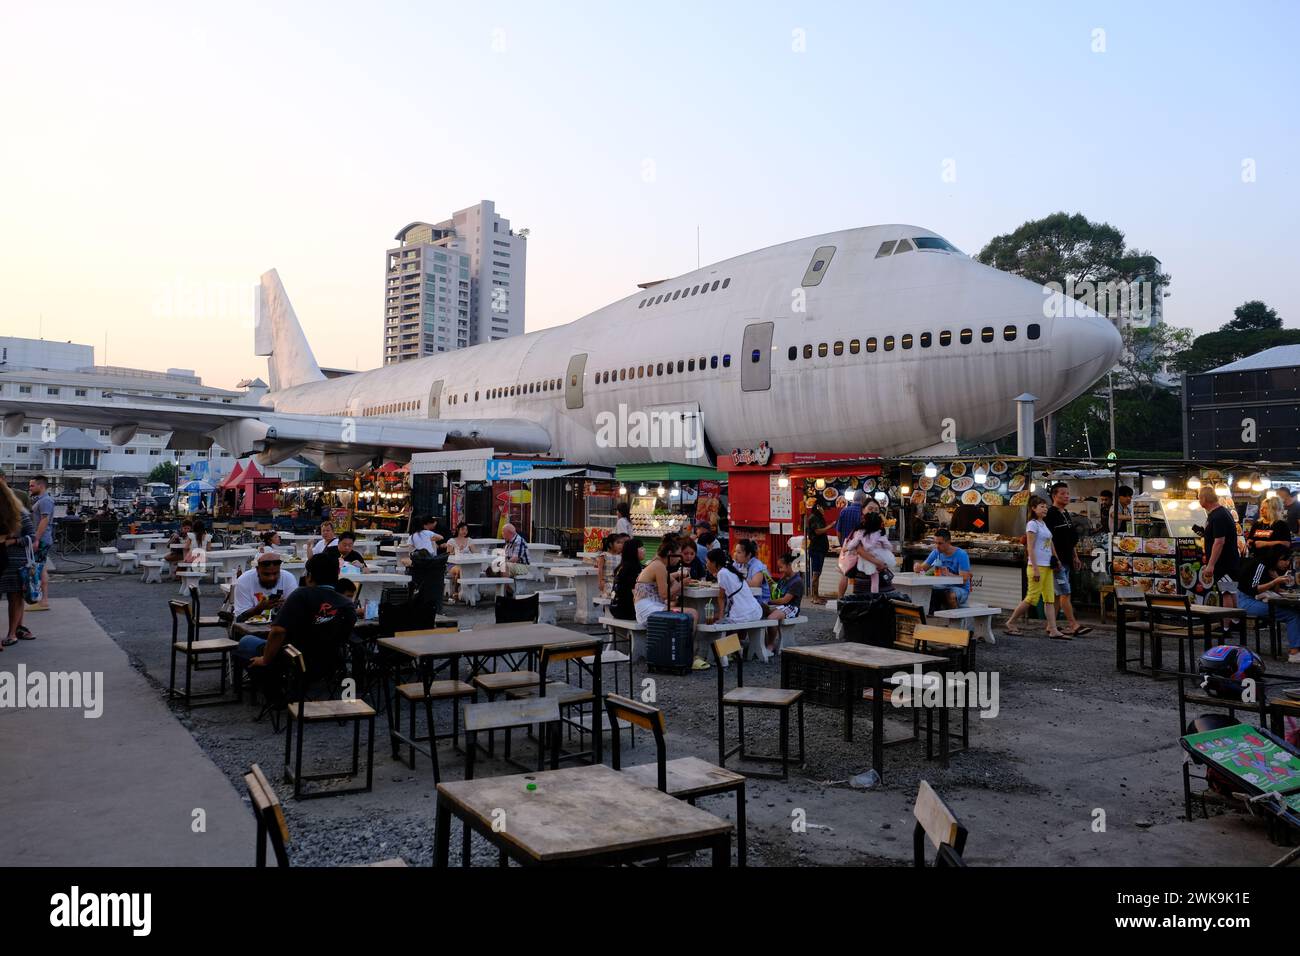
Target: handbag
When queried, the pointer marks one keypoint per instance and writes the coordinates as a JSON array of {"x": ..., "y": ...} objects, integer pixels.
[{"x": 30, "y": 574}]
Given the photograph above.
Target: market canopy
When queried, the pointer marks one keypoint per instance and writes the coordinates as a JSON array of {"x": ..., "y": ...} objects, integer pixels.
[
  {"x": 667, "y": 471},
  {"x": 533, "y": 474},
  {"x": 232, "y": 479},
  {"x": 197, "y": 486}
]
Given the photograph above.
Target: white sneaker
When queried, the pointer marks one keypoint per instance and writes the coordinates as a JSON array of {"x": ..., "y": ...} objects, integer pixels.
[
  {"x": 701, "y": 664},
  {"x": 1293, "y": 657}
]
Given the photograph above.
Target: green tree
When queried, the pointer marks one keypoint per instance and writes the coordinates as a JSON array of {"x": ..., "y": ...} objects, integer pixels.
[
  {"x": 165, "y": 472},
  {"x": 1253, "y": 316},
  {"x": 1148, "y": 355},
  {"x": 1070, "y": 249}
]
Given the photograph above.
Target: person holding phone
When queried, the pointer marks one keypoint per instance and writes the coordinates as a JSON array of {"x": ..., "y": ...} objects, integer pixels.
[{"x": 261, "y": 591}]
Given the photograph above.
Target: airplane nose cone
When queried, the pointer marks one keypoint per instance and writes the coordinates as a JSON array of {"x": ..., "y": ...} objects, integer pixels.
[{"x": 1085, "y": 345}]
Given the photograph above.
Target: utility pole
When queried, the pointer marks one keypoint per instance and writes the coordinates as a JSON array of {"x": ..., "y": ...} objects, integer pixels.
[{"x": 1110, "y": 388}]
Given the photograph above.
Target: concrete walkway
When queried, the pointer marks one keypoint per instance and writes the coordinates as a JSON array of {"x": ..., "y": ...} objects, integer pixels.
[{"x": 121, "y": 789}]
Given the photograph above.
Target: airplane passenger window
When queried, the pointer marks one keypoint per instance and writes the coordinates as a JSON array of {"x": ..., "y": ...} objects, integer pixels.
[
  {"x": 839, "y": 348},
  {"x": 925, "y": 340},
  {"x": 726, "y": 361},
  {"x": 701, "y": 363},
  {"x": 886, "y": 248},
  {"x": 807, "y": 351},
  {"x": 754, "y": 356},
  {"x": 658, "y": 300},
  {"x": 690, "y": 366},
  {"x": 854, "y": 347},
  {"x": 793, "y": 353},
  {"x": 670, "y": 368},
  {"x": 476, "y": 396},
  {"x": 714, "y": 287},
  {"x": 821, "y": 350},
  {"x": 659, "y": 369},
  {"x": 986, "y": 334},
  {"x": 1009, "y": 333},
  {"x": 681, "y": 366},
  {"x": 871, "y": 345},
  {"x": 1032, "y": 331},
  {"x": 695, "y": 290},
  {"x": 819, "y": 265},
  {"x": 713, "y": 362},
  {"x": 573, "y": 381},
  {"x": 907, "y": 341},
  {"x": 966, "y": 335},
  {"x": 676, "y": 294},
  {"x": 640, "y": 371},
  {"x": 889, "y": 343},
  {"x": 726, "y": 282},
  {"x": 945, "y": 338}
]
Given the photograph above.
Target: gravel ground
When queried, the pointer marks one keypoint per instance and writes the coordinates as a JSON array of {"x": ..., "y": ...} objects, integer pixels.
[{"x": 1073, "y": 740}]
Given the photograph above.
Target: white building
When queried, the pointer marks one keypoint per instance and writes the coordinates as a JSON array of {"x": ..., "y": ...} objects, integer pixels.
[
  {"x": 453, "y": 284},
  {"x": 72, "y": 457}
]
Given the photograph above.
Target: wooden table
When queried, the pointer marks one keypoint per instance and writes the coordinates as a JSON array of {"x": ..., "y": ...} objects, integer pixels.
[
  {"x": 479, "y": 645},
  {"x": 1207, "y": 615},
  {"x": 587, "y": 816},
  {"x": 873, "y": 664}
]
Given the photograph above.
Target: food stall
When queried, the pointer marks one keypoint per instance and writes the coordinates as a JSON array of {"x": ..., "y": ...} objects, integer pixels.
[
  {"x": 664, "y": 496},
  {"x": 383, "y": 497},
  {"x": 246, "y": 491}
]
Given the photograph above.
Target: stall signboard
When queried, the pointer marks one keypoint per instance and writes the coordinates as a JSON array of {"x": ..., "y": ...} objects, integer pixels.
[
  {"x": 341, "y": 519},
  {"x": 502, "y": 469},
  {"x": 1151, "y": 564},
  {"x": 781, "y": 507},
  {"x": 752, "y": 456},
  {"x": 708, "y": 501},
  {"x": 1006, "y": 483}
]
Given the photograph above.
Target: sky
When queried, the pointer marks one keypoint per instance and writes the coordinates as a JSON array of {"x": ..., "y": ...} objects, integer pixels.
[{"x": 156, "y": 158}]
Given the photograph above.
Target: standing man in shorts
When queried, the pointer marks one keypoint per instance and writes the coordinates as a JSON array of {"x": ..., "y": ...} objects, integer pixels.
[
  {"x": 1066, "y": 541},
  {"x": 43, "y": 515},
  {"x": 1220, "y": 544}
]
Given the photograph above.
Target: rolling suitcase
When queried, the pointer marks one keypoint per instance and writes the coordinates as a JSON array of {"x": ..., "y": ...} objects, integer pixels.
[{"x": 669, "y": 645}]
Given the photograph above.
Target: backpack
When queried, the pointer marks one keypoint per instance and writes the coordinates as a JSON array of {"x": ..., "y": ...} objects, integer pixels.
[{"x": 1224, "y": 669}]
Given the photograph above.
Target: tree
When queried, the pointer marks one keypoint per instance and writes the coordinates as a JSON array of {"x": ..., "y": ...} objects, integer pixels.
[
  {"x": 164, "y": 472},
  {"x": 1148, "y": 354},
  {"x": 1070, "y": 250},
  {"x": 1253, "y": 316}
]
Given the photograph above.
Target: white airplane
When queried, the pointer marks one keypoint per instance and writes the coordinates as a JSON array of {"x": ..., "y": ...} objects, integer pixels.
[{"x": 881, "y": 339}]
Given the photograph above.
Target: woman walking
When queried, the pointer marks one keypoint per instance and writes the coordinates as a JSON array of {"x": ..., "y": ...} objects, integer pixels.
[
  {"x": 16, "y": 532},
  {"x": 1041, "y": 557}
]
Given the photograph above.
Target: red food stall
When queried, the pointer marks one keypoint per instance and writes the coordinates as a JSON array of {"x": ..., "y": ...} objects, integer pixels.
[{"x": 768, "y": 491}]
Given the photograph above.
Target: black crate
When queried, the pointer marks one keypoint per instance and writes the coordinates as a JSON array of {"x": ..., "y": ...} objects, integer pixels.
[{"x": 821, "y": 683}]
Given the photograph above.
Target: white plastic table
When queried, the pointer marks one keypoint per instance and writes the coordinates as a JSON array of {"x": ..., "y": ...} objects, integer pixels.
[
  {"x": 917, "y": 586},
  {"x": 584, "y": 590},
  {"x": 141, "y": 542},
  {"x": 486, "y": 543}
]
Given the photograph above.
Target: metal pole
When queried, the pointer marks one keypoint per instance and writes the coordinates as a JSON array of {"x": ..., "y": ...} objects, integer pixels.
[{"x": 1110, "y": 388}]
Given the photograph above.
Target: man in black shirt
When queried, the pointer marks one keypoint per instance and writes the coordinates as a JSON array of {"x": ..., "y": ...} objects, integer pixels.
[
  {"x": 1220, "y": 545},
  {"x": 1066, "y": 541},
  {"x": 314, "y": 618},
  {"x": 1291, "y": 510}
]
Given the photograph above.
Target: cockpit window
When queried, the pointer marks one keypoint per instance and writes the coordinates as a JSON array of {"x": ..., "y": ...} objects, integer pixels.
[
  {"x": 934, "y": 242},
  {"x": 886, "y": 248},
  {"x": 904, "y": 245}
]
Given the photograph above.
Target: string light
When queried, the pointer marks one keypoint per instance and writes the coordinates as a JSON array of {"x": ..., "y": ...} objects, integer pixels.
[
  {"x": 1158, "y": 484},
  {"x": 931, "y": 470},
  {"x": 643, "y": 490},
  {"x": 905, "y": 489},
  {"x": 622, "y": 489},
  {"x": 783, "y": 482},
  {"x": 1194, "y": 483},
  {"x": 981, "y": 476}
]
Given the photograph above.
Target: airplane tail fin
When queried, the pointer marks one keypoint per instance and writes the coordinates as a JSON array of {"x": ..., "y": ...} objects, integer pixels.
[{"x": 278, "y": 335}]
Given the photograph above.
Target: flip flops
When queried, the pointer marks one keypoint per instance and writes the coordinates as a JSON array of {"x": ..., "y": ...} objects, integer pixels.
[
  {"x": 1061, "y": 636},
  {"x": 1079, "y": 631},
  {"x": 24, "y": 634}
]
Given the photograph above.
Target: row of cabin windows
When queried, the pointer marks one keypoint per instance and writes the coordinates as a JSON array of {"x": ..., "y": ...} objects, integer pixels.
[
  {"x": 392, "y": 408},
  {"x": 683, "y": 293},
  {"x": 509, "y": 391},
  {"x": 966, "y": 336},
  {"x": 681, "y": 366}
]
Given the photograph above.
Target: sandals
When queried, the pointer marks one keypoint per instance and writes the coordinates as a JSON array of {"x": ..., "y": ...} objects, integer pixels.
[
  {"x": 1013, "y": 631},
  {"x": 8, "y": 641},
  {"x": 1079, "y": 631},
  {"x": 1061, "y": 636},
  {"x": 24, "y": 634}
]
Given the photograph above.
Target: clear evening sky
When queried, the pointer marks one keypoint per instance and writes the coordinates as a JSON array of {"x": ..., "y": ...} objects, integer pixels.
[{"x": 155, "y": 158}]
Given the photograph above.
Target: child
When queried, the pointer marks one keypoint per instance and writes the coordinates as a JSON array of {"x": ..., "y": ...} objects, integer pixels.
[{"x": 787, "y": 594}]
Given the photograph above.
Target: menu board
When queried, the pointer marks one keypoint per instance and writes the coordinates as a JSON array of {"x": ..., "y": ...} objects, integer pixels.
[
  {"x": 833, "y": 488},
  {"x": 708, "y": 502},
  {"x": 1006, "y": 482},
  {"x": 1150, "y": 564},
  {"x": 780, "y": 500}
]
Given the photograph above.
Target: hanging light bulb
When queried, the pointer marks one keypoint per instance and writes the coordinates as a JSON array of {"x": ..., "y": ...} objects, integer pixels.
[
  {"x": 1266, "y": 482},
  {"x": 849, "y": 494},
  {"x": 820, "y": 484},
  {"x": 881, "y": 497},
  {"x": 981, "y": 475},
  {"x": 1257, "y": 486},
  {"x": 622, "y": 489},
  {"x": 931, "y": 470},
  {"x": 1243, "y": 483},
  {"x": 643, "y": 490},
  {"x": 1032, "y": 487},
  {"x": 677, "y": 490},
  {"x": 905, "y": 489},
  {"x": 1194, "y": 483},
  {"x": 1222, "y": 490},
  {"x": 783, "y": 482},
  {"x": 660, "y": 491},
  {"x": 1158, "y": 484}
]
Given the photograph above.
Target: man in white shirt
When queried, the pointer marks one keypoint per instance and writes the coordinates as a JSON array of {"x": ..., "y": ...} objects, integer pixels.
[
  {"x": 326, "y": 539},
  {"x": 261, "y": 591}
]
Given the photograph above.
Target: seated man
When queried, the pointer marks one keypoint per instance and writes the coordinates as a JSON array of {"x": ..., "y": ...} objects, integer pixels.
[
  {"x": 261, "y": 591},
  {"x": 347, "y": 552},
  {"x": 313, "y": 616},
  {"x": 516, "y": 552},
  {"x": 326, "y": 539},
  {"x": 1261, "y": 574},
  {"x": 948, "y": 561}
]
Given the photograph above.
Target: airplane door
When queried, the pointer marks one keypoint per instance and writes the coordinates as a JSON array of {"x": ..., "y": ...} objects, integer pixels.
[
  {"x": 435, "y": 399},
  {"x": 573, "y": 381},
  {"x": 756, "y": 358}
]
